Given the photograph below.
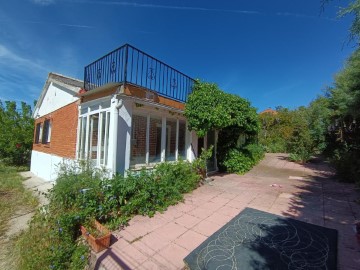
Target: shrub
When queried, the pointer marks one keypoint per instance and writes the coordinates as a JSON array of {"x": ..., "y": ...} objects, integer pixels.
[{"x": 83, "y": 193}]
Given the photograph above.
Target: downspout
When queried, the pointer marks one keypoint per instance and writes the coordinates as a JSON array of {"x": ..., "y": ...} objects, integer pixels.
[{"x": 116, "y": 120}]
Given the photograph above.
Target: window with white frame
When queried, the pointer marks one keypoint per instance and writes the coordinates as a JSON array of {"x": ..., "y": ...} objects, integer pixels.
[
  {"x": 94, "y": 137},
  {"x": 154, "y": 140}
]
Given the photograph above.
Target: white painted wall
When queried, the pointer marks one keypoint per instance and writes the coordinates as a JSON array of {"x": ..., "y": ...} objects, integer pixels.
[
  {"x": 45, "y": 165},
  {"x": 123, "y": 137},
  {"x": 56, "y": 97}
]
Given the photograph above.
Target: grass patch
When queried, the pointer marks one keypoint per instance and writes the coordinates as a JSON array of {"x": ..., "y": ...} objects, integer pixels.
[
  {"x": 13, "y": 196},
  {"x": 14, "y": 200}
]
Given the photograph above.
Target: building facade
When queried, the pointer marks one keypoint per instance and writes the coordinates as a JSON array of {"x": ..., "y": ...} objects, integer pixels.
[{"x": 128, "y": 114}]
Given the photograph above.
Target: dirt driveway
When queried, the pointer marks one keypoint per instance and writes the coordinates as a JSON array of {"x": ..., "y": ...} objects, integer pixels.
[{"x": 308, "y": 193}]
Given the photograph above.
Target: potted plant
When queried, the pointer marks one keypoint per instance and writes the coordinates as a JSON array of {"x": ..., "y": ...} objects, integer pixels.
[{"x": 96, "y": 235}]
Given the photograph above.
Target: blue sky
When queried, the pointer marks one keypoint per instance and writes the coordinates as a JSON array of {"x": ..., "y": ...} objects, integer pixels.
[{"x": 273, "y": 53}]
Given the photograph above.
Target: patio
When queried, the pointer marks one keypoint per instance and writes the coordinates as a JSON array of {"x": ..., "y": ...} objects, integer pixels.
[{"x": 308, "y": 193}]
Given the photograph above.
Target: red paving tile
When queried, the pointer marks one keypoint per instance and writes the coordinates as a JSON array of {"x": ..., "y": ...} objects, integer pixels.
[
  {"x": 162, "y": 242},
  {"x": 190, "y": 240},
  {"x": 187, "y": 221}
]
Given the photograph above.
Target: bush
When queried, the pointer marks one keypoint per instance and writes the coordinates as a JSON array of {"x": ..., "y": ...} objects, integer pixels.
[
  {"x": 83, "y": 193},
  {"x": 242, "y": 160}
]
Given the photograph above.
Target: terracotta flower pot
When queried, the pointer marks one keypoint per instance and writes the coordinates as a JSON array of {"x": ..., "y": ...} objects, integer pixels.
[{"x": 99, "y": 243}]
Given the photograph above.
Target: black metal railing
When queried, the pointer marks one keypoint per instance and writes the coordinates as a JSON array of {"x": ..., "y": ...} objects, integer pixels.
[{"x": 130, "y": 65}]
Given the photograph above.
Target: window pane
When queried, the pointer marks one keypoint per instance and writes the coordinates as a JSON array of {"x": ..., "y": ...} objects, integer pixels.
[
  {"x": 155, "y": 140},
  {"x": 37, "y": 133},
  {"x": 45, "y": 135},
  {"x": 82, "y": 137},
  {"x": 170, "y": 139},
  {"x": 138, "y": 140},
  {"x": 104, "y": 137},
  {"x": 182, "y": 136},
  {"x": 94, "y": 124}
]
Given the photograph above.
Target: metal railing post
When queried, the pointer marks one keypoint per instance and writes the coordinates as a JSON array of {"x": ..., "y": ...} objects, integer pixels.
[{"x": 126, "y": 62}]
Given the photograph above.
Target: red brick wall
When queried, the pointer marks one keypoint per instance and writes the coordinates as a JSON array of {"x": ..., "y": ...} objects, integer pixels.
[{"x": 64, "y": 122}]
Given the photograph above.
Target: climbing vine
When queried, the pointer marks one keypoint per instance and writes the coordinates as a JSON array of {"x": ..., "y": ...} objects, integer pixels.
[{"x": 209, "y": 108}]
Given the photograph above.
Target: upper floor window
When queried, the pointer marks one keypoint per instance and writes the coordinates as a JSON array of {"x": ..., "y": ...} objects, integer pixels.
[
  {"x": 38, "y": 132},
  {"x": 46, "y": 132}
]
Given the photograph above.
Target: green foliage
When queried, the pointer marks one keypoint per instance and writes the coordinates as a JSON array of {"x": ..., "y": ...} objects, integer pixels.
[
  {"x": 210, "y": 108},
  {"x": 200, "y": 164},
  {"x": 82, "y": 194},
  {"x": 16, "y": 133},
  {"x": 343, "y": 140},
  {"x": 242, "y": 160}
]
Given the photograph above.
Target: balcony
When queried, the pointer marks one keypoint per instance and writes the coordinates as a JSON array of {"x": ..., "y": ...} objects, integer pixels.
[{"x": 129, "y": 65}]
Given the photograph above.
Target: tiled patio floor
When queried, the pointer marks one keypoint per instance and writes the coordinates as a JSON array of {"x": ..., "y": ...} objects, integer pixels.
[{"x": 308, "y": 193}]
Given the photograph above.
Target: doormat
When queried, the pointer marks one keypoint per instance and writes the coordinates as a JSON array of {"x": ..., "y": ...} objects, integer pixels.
[{"x": 258, "y": 240}]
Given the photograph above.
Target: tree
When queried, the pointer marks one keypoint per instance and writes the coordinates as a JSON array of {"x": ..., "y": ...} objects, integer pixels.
[
  {"x": 209, "y": 108},
  {"x": 352, "y": 9},
  {"x": 16, "y": 133}
]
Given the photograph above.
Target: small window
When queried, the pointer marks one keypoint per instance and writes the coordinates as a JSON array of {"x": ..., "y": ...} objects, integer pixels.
[
  {"x": 38, "y": 133},
  {"x": 46, "y": 132}
]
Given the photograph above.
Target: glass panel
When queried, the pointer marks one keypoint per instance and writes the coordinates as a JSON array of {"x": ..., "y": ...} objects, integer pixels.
[
  {"x": 82, "y": 137},
  {"x": 94, "y": 140},
  {"x": 170, "y": 140},
  {"x": 155, "y": 140},
  {"x": 211, "y": 141},
  {"x": 107, "y": 125},
  {"x": 102, "y": 132},
  {"x": 181, "y": 143},
  {"x": 138, "y": 140}
]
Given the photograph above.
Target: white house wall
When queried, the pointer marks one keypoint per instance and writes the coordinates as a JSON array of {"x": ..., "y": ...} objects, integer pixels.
[
  {"x": 123, "y": 137},
  {"x": 45, "y": 165},
  {"x": 56, "y": 97}
]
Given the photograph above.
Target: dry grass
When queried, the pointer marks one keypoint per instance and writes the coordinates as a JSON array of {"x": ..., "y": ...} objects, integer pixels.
[{"x": 15, "y": 201}]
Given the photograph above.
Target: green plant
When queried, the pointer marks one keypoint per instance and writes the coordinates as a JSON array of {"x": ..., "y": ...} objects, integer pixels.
[
  {"x": 236, "y": 161},
  {"x": 200, "y": 164},
  {"x": 16, "y": 133},
  {"x": 82, "y": 194}
]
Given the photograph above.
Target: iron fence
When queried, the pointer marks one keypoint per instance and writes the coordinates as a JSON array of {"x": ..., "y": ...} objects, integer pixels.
[{"x": 133, "y": 66}]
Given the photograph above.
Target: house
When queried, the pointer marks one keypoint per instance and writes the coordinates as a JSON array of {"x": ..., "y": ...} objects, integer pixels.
[{"x": 126, "y": 115}]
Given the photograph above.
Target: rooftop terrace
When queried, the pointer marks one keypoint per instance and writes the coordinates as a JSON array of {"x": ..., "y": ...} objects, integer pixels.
[{"x": 130, "y": 65}]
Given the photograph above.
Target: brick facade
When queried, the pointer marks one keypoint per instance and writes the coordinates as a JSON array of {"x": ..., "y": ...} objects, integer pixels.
[{"x": 64, "y": 122}]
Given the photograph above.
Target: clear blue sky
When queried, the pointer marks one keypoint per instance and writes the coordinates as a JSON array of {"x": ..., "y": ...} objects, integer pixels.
[{"x": 277, "y": 52}]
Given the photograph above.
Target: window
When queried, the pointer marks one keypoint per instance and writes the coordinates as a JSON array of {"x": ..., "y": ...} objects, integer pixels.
[
  {"x": 170, "y": 152},
  {"x": 138, "y": 140},
  {"x": 154, "y": 140},
  {"x": 94, "y": 137},
  {"x": 38, "y": 133},
  {"x": 46, "y": 132},
  {"x": 182, "y": 140}
]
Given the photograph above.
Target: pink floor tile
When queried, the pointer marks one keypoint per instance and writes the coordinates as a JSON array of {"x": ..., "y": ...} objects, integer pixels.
[
  {"x": 174, "y": 254},
  {"x": 206, "y": 228},
  {"x": 154, "y": 241},
  {"x": 171, "y": 231},
  {"x": 190, "y": 240},
  {"x": 187, "y": 221},
  {"x": 201, "y": 212},
  {"x": 228, "y": 211},
  {"x": 218, "y": 218}
]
